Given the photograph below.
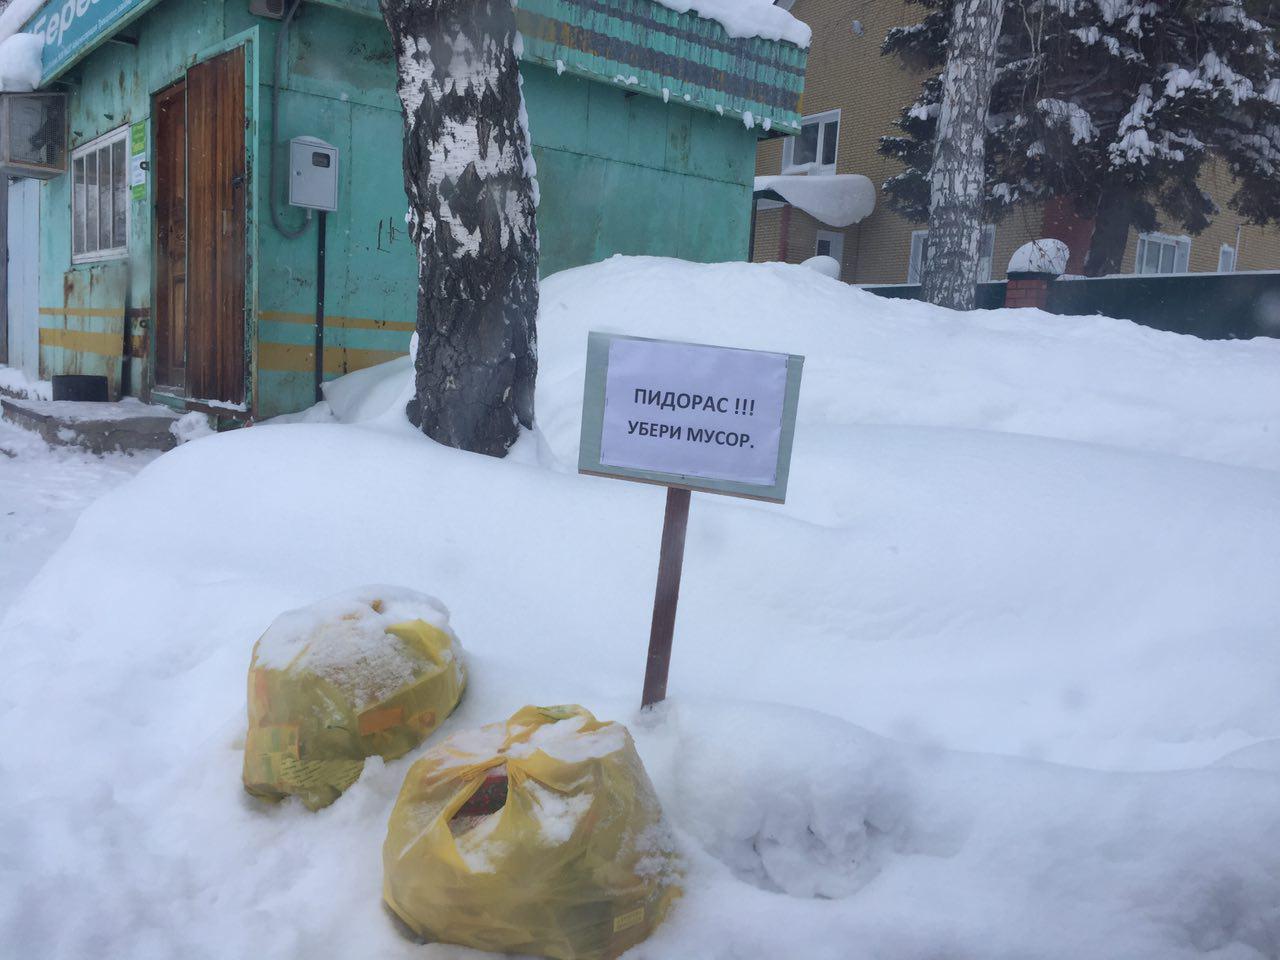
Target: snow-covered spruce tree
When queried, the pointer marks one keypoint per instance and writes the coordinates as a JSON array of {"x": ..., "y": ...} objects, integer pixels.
[
  {"x": 1113, "y": 105},
  {"x": 957, "y": 172},
  {"x": 468, "y": 175}
]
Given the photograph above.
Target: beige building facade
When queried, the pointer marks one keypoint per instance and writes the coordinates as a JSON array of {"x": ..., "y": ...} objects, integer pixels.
[{"x": 850, "y": 83}]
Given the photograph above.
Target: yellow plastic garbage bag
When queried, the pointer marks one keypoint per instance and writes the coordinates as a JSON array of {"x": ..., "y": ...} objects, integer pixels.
[
  {"x": 541, "y": 835},
  {"x": 371, "y": 671}
]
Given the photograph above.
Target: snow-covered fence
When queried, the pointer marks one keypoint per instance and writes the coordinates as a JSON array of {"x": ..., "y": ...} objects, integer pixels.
[
  {"x": 1212, "y": 306},
  {"x": 990, "y": 295}
]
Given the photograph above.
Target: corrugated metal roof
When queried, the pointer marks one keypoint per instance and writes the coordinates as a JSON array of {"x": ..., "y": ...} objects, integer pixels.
[
  {"x": 654, "y": 50},
  {"x": 639, "y": 44}
]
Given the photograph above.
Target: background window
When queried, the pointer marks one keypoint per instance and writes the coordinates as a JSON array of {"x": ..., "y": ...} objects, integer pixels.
[
  {"x": 829, "y": 244},
  {"x": 919, "y": 253},
  {"x": 915, "y": 266},
  {"x": 986, "y": 252},
  {"x": 813, "y": 149},
  {"x": 99, "y": 199},
  {"x": 1158, "y": 253},
  {"x": 1227, "y": 259}
]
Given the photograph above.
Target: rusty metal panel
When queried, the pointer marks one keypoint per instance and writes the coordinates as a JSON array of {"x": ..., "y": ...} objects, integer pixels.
[{"x": 85, "y": 332}]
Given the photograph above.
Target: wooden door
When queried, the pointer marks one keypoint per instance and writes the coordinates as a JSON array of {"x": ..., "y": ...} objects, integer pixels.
[
  {"x": 169, "y": 110},
  {"x": 215, "y": 275}
]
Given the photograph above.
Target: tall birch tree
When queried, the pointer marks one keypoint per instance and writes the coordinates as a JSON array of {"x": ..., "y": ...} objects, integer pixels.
[
  {"x": 958, "y": 174},
  {"x": 1113, "y": 109},
  {"x": 469, "y": 179}
]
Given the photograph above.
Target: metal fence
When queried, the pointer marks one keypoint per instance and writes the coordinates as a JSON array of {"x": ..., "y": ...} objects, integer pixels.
[{"x": 1212, "y": 306}]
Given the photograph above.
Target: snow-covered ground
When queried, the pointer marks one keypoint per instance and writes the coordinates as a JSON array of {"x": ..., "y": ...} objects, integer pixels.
[
  {"x": 1000, "y": 680},
  {"x": 15, "y": 383},
  {"x": 42, "y": 491}
]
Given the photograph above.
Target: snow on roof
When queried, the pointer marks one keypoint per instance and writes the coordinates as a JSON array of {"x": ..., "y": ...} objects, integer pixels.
[
  {"x": 838, "y": 201},
  {"x": 1040, "y": 256},
  {"x": 16, "y": 14},
  {"x": 747, "y": 18},
  {"x": 20, "y": 63}
]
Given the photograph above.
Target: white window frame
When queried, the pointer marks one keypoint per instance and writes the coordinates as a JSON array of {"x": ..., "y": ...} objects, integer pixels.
[
  {"x": 1181, "y": 253},
  {"x": 94, "y": 147},
  {"x": 915, "y": 260},
  {"x": 817, "y": 167},
  {"x": 837, "y": 245},
  {"x": 1227, "y": 258}
]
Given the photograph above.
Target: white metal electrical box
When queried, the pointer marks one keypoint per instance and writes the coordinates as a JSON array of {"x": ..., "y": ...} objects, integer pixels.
[{"x": 313, "y": 174}]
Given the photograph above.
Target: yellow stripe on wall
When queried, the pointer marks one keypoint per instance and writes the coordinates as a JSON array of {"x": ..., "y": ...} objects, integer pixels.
[
  {"x": 348, "y": 323},
  {"x": 295, "y": 358},
  {"x": 82, "y": 341},
  {"x": 114, "y": 313}
]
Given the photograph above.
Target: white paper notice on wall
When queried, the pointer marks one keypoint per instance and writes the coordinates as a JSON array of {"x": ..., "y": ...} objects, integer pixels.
[{"x": 670, "y": 412}]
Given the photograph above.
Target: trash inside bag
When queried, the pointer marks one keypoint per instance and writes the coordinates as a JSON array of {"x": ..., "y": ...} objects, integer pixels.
[
  {"x": 540, "y": 835},
  {"x": 371, "y": 671}
]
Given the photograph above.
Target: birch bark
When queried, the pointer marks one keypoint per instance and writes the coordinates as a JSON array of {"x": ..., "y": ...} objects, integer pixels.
[
  {"x": 958, "y": 174},
  {"x": 469, "y": 179}
]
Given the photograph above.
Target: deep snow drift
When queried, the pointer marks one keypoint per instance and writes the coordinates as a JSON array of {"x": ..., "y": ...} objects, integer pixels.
[{"x": 1011, "y": 538}]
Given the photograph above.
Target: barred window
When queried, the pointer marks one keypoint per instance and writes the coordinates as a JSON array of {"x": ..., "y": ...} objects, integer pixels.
[{"x": 100, "y": 198}]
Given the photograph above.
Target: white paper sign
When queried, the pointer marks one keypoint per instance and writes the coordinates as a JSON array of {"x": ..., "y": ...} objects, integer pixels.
[
  {"x": 137, "y": 171},
  {"x": 713, "y": 412}
]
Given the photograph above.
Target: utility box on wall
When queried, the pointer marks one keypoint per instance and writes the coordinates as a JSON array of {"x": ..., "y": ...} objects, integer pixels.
[{"x": 313, "y": 174}]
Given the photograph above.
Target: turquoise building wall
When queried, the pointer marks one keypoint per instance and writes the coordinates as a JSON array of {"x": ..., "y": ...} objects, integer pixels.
[
  {"x": 83, "y": 307},
  {"x": 618, "y": 173}
]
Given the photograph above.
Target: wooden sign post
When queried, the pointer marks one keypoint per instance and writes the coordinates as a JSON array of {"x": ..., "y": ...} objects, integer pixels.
[{"x": 689, "y": 417}]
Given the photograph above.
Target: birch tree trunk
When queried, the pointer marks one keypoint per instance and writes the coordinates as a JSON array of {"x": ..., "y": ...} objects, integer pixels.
[
  {"x": 468, "y": 176},
  {"x": 958, "y": 174}
]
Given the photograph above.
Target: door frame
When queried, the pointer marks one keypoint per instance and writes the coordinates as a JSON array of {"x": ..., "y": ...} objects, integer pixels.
[
  {"x": 158, "y": 269},
  {"x": 249, "y": 39}
]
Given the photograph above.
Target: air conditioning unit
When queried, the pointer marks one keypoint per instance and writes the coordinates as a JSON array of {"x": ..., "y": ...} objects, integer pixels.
[
  {"x": 275, "y": 9},
  {"x": 33, "y": 135}
]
